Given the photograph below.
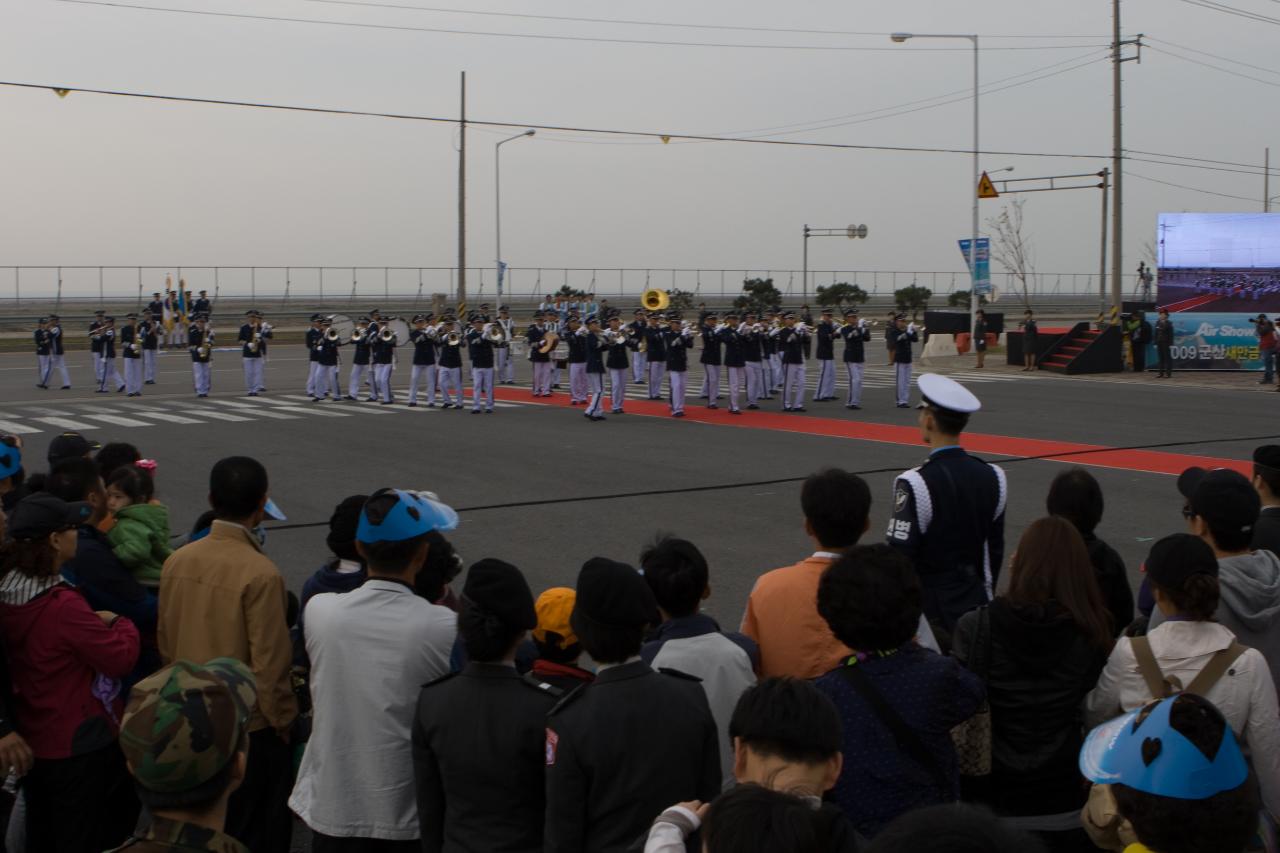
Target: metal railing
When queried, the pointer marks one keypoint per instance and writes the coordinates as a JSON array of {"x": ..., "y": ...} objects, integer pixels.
[{"x": 55, "y": 285}]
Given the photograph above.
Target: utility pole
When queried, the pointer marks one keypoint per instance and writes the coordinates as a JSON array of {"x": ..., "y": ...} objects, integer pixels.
[
  {"x": 1102, "y": 270},
  {"x": 1266, "y": 181},
  {"x": 1117, "y": 156},
  {"x": 462, "y": 199}
]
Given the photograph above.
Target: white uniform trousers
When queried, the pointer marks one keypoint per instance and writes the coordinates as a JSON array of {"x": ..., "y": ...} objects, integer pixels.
[
  {"x": 555, "y": 372},
  {"x": 541, "y": 377},
  {"x": 595, "y": 393},
  {"x": 313, "y": 379},
  {"x": 736, "y": 377},
  {"x": 678, "y": 380},
  {"x": 99, "y": 365},
  {"x": 854, "y": 368},
  {"x": 656, "y": 370},
  {"x": 328, "y": 381},
  {"x": 110, "y": 377},
  {"x": 450, "y": 384},
  {"x": 359, "y": 372},
  {"x": 578, "y": 387},
  {"x": 382, "y": 376},
  {"x": 903, "y": 382},
  {"x": 618, "y": 388},
  {"x": 59, "y": 363},
  {"x": 775, "y": 364},
  {"x": 202, "y": 374},
  {"x": 481, "y": 388},
  {"x": 133, "y": 376},
  {"x": 639, "y": 364},
  {"x": 506, "y": 365},
  {"x": 826, "y": 388},
  {"x": 423, "y": 375},
  {"x": 253, "y": 374},
  {"x": 149, "y": 366},
  {"x": 177, "y": 335},
  {"x": 711, "y": 382},
  {"x": 755, "y": 382},
  {"x": 793, "y": 386},
  {"x": 42, "y": 369}
]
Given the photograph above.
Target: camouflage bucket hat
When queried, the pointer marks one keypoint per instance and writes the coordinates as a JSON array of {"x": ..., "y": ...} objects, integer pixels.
[{"x": 184, "y": 723}]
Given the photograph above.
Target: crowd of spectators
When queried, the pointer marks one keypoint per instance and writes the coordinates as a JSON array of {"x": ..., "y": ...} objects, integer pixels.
[{"x": 175, "y": 695}]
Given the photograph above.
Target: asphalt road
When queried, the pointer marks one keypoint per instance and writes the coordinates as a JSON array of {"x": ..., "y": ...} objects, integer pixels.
[{"x": 545, "y": 489}]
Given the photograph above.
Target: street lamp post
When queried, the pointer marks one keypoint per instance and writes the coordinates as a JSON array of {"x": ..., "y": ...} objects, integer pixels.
[
  {"x": 497, "y": 204},
  {"x": 974, "y": 297}
]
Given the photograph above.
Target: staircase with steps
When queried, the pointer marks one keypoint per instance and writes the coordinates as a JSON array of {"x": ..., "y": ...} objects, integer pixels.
[{"x": 1086, "y": 350}]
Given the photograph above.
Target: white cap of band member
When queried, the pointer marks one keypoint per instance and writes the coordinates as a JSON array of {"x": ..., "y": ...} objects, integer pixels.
[{"x": 943, "y": 392}]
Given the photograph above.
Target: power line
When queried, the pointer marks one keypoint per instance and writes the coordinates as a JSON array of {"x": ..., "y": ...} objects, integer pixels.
[
  {"x": 1192, "y": 189},
  {"x": 1258, "y": 171},
  {"x": 1214, "y": 55},
  {"x": 1232, "y": 10},
  {"x": 1261, "y": 170},
  {"x": 549, "y": 37},
  {"x": 1204, "y": 64},
  {"x": 672, "y": 24}
]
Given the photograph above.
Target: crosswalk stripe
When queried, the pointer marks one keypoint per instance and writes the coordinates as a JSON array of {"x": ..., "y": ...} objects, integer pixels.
[
  {"x": 168, "y": 417},
  {"x": 65, "y": 423},
  {"x": 261, "y": 412},
  {"x": 218, "y": 416},
  {"x": 118, "y": 420},
  {"x": 314, "y": 409},
  {"x": 17, "y": 428}
]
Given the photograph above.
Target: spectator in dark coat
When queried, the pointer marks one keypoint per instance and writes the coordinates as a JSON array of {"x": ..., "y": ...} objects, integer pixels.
[
  {"x": 871, "y": 598},
  {"x": 1266, "y": 479},
  {"x": 1076, "y": 496},
  {"x": 1040, "y": 647}
]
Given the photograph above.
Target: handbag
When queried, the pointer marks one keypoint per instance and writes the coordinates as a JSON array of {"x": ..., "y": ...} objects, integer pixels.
[{"x": 972, "y": 738}]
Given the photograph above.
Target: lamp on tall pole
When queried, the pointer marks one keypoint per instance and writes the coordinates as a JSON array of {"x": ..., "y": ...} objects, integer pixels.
[
  {"x": 974, "y": 296},
  {"x": 497, "y": 204}
]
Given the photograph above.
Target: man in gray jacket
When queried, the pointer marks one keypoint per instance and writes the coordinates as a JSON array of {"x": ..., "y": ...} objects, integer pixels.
[{"x": 1222, "y": 509}]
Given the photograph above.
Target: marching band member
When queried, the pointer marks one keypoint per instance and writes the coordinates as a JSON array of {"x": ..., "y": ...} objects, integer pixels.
[
  {"x": 755, "y": 360},
  {"x": 131, "y": 341},
  {"x": 825, "y": 333},
  {"x": 384, "y": 363},
  {"x": 360, "y": 360},
  {"x": 97, "y": 343},
  {"x": 327, "y": 362},
  {"x": 901, "y": 336},
  {"x": 484, "y": 313},
  {"x": 616, "y": 361},
  {"x": 449, "y": 367},
  {"x": 480, "y": 350},
  {"x": 640, "y": 364},
  {"x": 575, "y": 336},
  {"x": 250, "y": 357},
  {"x": 678, "y": 340},
  {"x": 541, "y": 361},
  {"x": 155, "y": 306},
  {"x": 506, "y": 364},
  {"x": 711, "y": 360},
  {"x": 200, "y": 343},
  {"x": 856, "y": 333},
  {"x": 150, "y": 344},
  {"x": 424, "y": 360},
  {"x": 201, "y": 305},
  {"x": 312, "y": 342},
  {"x": 735, "y": 360},
  {"x": 655, "y": 355},
  {"x": 593, "y": 370},
  {"x": 57, "y": 360},
  {"x": 772, "y": 358},
  {"x": 110, "y": 375},
  {"x": 375, "y": 321},
  {"x": 44, "y": 350},
  {"x": 791, "y": 338}
]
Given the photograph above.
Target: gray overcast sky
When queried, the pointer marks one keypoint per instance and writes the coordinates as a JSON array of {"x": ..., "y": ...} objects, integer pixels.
[{"x": 98, "y": 180}]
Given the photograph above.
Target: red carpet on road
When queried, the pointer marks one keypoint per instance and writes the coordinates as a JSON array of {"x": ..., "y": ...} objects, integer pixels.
[
  {"x": 1099, "y": 456},
  {"x": 1192, "y": 303}
]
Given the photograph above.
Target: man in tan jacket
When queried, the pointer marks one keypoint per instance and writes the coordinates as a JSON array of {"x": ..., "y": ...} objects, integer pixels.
[{"x": 222, "y": 597}]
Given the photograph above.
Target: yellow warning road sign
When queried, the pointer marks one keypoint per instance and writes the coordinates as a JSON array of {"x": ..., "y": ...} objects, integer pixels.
[{"x": 986, "y": 189}]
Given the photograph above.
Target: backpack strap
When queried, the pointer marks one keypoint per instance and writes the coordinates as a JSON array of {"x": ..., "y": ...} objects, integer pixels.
[
  {"x": 1215, "y": 668},
  {"x": 1150, "y": 669}
]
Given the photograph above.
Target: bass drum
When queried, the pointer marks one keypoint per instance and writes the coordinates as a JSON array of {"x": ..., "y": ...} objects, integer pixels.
[
  {"x": 400, "y": 327},
  {"x": 344, "y": 326}
]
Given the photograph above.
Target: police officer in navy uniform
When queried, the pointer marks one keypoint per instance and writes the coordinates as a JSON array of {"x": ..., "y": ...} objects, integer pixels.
[
  {"x": 948, "y": 514},
  {"x": 479, "y": 734},
  {"x": 623, "y": 748}
]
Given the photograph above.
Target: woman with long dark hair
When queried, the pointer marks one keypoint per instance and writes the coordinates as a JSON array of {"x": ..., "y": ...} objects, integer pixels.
[{"x": 1040, "y": 646}]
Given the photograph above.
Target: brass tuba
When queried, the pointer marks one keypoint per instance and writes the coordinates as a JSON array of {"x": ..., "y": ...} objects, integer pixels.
[{"x": 655, "y": 300}]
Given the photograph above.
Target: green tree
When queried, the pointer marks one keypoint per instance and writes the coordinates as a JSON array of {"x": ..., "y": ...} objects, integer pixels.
[
  {"x": 841, "y": 294},
  {"x": 681, "y": 300},
  {"x": 913, "y": 299},
  {"x": 570, "y": 292},
  {"x": 758, "y": 295},
  {"x": 960, "y": 299}
]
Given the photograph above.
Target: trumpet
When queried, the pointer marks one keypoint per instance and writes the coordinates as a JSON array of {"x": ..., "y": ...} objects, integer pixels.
[
  {"x": 614, "y": 337},
  {"x": 452, "y": 339},
  {"x": 387, "y": 335},
  {"x": 358, "y": 335},
  {"x": 332, "y": 334},
  {"x": 495, "y": 333}
]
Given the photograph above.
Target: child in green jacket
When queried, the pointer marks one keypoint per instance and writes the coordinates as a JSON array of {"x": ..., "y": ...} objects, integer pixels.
[{"x": 140, "y": 537}]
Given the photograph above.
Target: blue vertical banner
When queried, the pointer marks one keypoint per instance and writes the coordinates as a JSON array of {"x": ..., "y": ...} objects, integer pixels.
[{"x": 982, "y": 276}]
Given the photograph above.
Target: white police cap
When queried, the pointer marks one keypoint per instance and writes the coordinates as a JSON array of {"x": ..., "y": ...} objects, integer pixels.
[{"x": 942, "y": 392}]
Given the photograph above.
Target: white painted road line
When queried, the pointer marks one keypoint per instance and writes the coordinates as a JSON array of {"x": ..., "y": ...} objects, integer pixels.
[
  {"x": 168, "y": 417},
  {"x": 66, "y": 423},
  {"x": 249, "y": 408},
  {"x": 120, "y": 421},
  {"x": 17, "y": 428}
]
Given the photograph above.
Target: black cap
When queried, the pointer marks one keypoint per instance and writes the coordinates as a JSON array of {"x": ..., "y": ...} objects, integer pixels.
[
  {"x": 131, "y": 316},
  {"x": 1221, "y": 496},
  {"x": 344, "y": 521},
  {"x": 99, "y": 312},
  {"x": 504, "y": 307},
  {"x": 316, "y": 318},
  {"x": 473, "y": 317},
  {"x": 826, "y": 311},
  {"x": 1175, "y": 558},
  {"x": 1268, "y": 456},
  {"x": 611, "y": 593},
  {"x": 499, "y": 588},
  {"x": 69, "y": 445},
  {"x": 38, "y": 515},
  {"x": 851, "y": 312}
]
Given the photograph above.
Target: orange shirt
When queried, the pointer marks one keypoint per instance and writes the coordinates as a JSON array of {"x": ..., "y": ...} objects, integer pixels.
[{"x": 782, "y": 617}]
